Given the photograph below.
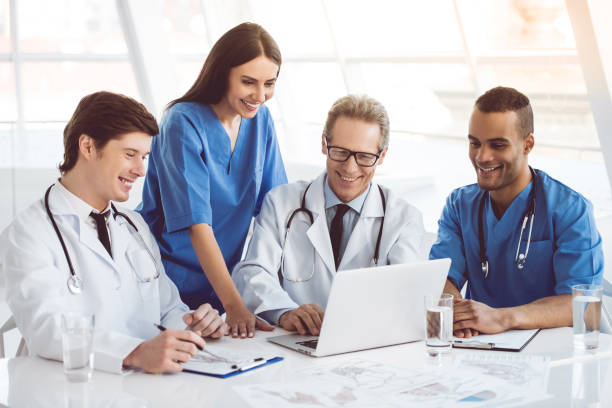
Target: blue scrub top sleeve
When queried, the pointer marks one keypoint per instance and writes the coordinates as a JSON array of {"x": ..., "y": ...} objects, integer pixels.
[
  {"x": 578, "y": 257},
  {"x": 273, "y": 169},
  {"x": 183, "y": 174},
  {"x": 449, "y": 244}
]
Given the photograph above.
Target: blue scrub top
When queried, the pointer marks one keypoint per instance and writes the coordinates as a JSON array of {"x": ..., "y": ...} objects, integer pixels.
[
  {"x": 565, "y": 247},
  {"x": 193, "y": 177}
]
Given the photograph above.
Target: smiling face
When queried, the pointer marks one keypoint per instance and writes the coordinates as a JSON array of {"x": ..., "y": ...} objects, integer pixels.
[
  {"x": 347, "y": 179},
  {"x": 113, "y": 169},
  {"x": 499, "y": 153},
  {"x": 250, "y": 85}
]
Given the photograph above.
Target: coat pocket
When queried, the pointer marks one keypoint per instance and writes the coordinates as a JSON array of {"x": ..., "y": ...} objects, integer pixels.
[{"x": 145, "y": 273}]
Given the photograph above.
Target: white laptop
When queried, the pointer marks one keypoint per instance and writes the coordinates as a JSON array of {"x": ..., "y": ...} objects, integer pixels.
[{"x": 373, "y": 307}]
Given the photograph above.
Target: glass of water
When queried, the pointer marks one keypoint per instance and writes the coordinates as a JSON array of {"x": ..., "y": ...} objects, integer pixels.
[
  {"x": 77, "y": 344},
  {"x": 438, "y": 324},
  {"x": 586, "y": 308}
]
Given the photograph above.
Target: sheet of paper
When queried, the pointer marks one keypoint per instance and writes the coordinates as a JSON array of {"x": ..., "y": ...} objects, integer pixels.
[
  {"x": 512, "y": 339},
  {"x": 529, "y": 372},
  {"x": 216, "y": 359},
  {"x": 371, "y": 384}
]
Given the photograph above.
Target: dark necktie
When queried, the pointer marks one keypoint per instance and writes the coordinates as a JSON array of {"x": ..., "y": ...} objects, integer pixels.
[
  {"x": 100, "y": 220},
  {"x": 336, "y": 229}
]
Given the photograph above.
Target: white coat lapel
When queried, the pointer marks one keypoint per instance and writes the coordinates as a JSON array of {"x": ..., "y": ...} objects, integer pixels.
[
  {"x": 119, "y": 237},
  {"x": 89, "y": 238},
  {"x": 60, "y": 208},
  {"x": 363, "y": 238},
  {"x": 318, "y": 233}
]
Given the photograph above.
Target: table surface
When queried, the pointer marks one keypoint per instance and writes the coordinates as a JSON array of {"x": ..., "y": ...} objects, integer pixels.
[{"x": 575, "y": 379}]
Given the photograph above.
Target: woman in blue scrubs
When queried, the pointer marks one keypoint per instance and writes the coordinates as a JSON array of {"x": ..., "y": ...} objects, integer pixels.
[{"x": 215, "y": 158}]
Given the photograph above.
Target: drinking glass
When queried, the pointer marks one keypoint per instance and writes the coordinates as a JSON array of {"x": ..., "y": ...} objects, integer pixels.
[
  {"x": 77, "y": 344},
  {"x": 586, "y": 308},
  {"x": 438, "y": 324}
]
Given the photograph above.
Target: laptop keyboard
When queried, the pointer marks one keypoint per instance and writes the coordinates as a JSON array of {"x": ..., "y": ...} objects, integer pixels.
[{"x": 309, "y": 343}]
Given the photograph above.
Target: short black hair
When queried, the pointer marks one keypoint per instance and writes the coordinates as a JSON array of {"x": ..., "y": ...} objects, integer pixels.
[{"x": 504, "y": 99}]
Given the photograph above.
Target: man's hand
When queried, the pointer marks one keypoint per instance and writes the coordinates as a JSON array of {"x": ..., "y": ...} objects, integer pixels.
[
  {"x": 465, "y": 333},
  {"x": 449, "y": 287},
  {"x": 306, "y": 319},
  {"x": 471, "y": 318},
  {"x": 206, "y": 322},
  {"x": 462, "y": 333},
  {"x": 242, "y": 322},
  {"x": 165, "y": 352}
]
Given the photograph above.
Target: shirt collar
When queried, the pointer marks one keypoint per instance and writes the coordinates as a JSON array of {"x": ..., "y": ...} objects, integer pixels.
[
  {"x": 356, "y": 203},
  {"x": 80, "y": 207}
]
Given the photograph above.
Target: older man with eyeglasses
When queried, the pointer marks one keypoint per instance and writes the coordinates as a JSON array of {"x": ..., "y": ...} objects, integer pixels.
[{"x": 307, "y": 232}]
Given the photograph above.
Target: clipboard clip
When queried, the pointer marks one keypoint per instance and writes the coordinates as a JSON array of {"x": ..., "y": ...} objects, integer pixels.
[
  {"x": 473, "y": 344},
  {"x": 255, "y": 363}
]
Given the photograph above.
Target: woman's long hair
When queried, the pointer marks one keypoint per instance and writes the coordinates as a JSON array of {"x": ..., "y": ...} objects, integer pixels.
[{"x": 239, "y": 45}]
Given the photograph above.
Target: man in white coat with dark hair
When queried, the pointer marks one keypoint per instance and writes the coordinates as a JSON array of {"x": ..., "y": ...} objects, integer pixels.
[
  {"x": 307, "y": 232},
  {"x": 75, "y": 251}
]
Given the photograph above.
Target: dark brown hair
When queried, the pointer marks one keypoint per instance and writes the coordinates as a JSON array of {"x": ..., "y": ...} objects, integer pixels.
[
  {"x": 503, "y": 99},
  {"x": 239, "y": 45},
  {"x": 104, "y": 116}
]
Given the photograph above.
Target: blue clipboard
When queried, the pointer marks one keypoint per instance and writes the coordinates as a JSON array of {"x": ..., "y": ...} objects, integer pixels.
[{"x": 234, "y": 370}]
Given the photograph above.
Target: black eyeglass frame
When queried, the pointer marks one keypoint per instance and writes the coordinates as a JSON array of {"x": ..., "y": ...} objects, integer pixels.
[{"x": 352, "y": 153}]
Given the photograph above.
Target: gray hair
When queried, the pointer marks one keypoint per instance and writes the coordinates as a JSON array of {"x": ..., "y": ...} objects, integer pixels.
[{"x": 360, "y": 107}]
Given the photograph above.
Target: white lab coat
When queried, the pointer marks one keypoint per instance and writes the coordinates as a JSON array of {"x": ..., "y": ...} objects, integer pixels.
[
  {"x": 114, "y": 289},
  {"x": 257, "y": 277}
]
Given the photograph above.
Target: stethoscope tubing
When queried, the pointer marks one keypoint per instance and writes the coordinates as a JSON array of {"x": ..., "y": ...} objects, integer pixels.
[
  {"x": 59, "y": 234},
  {"x": 528, "y": 216},
  {"x": 305, "y": 210},
  {"x": 74, "y": 282}
]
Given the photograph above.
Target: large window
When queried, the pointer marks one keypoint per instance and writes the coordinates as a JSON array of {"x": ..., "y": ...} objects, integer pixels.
[{"x": 425, "y": 61}]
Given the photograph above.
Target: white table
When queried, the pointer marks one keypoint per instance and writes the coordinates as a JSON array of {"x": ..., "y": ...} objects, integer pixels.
[{"x": 576, "y": 378}]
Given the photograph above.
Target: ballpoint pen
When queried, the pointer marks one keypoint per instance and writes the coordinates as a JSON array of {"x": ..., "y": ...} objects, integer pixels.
[
  {"x": 162, "y": 328},
  {"x": 250, "y": 364},
  {"x": 210, "y": 353}
]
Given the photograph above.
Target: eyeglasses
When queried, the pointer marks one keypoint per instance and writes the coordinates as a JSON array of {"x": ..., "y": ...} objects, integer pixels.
[{"x": 363, "y": 159}]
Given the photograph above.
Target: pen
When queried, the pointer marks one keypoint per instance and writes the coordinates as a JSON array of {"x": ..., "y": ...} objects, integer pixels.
[{"x": 162, "y": 328}]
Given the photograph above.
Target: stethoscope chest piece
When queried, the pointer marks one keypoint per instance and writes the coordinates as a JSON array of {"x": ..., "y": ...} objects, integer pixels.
[
  {"x": 485, "y": 267},
  {"x": 75, "y": 285},
  {"x": 520, "y": 262}
]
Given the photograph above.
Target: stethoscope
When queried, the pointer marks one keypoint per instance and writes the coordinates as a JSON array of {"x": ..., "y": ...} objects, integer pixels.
[
  {"x": 74, "y": 283},
  {"x": 528, "y": 216},
  {"x": 303, "y": 209}
]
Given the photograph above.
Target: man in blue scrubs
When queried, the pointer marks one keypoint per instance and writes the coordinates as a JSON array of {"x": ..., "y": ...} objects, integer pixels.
[{"x": 509, "y": 288}]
